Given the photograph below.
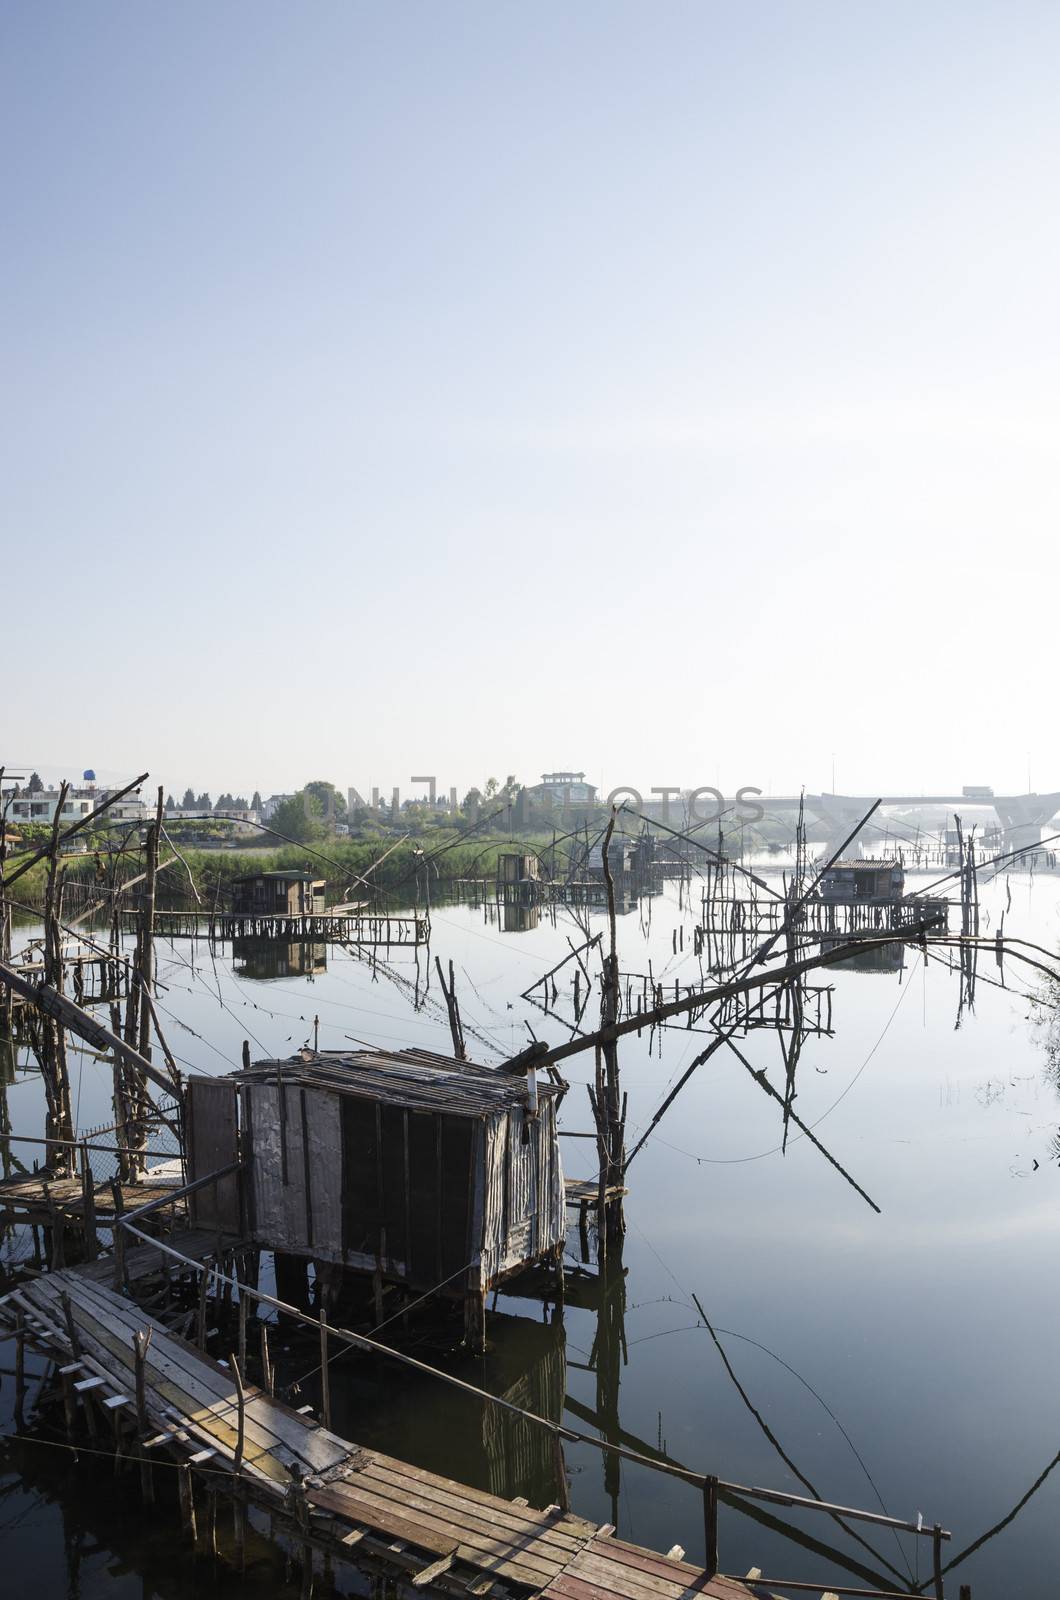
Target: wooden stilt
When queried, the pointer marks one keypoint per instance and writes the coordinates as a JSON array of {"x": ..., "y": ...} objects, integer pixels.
[
  {"x": 710, "y": 1525},
  {"x": 141, "y": 1341},
  {"x": 241, "y": 1404},
  {"x": 211, "y": 1523},
  {"x": 204, "y": 1284},
  {"x": 88, "y": 1205},
  {"x": 187, "y": 1499},
  {"x": 268, "y": 1376},
  {"x": 325, "y": 1375},
  {"x": 242, "y": 1351},
  {"x": 20, "y": 1366},
  {"x": 119, "y": 1237},
  {"x": 562, "y": 1487},
  {"x": 239, "y": 1529},
  {"x": 66, "y": 1375},
  {"x": 475, "y": 1321}
]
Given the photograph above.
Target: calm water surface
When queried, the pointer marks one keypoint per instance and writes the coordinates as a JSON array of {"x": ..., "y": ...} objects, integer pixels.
[{"x": 904, "y": 1360}]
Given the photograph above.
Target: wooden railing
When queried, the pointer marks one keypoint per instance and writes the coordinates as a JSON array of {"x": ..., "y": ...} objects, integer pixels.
[{"x": 711, "y": 1486}]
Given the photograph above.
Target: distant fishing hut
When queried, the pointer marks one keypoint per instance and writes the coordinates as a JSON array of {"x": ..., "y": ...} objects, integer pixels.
[
  {"x": 516, "y": 868},
  {"x": 879, "y": 882},
  {"x": 278, "y": 894},
  {"x": 414, "y": 1167}
]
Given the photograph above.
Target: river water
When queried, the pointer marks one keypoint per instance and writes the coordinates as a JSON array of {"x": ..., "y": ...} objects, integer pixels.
[{"x": 903, "y": 1360}]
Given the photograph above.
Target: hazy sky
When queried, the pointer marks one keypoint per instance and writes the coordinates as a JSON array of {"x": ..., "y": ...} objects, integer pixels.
[{"x": 664, "y": 390}]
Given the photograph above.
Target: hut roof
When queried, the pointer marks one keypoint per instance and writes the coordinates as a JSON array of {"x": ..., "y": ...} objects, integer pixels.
[
  {"x": 284, "y": 874},
  {"x": 865, "y": 865},
  {"x": 418, "y": 1079}
]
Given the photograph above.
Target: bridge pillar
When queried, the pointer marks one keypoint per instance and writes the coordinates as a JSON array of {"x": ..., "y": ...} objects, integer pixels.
[
  {"x": 840, "y": 816},
  {"x": 1024, "y": 817}
]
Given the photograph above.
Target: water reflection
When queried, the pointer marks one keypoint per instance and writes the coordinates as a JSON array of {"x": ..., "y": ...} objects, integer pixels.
[
  {"x": 273, "y": 958},
  {"x": 412, "y": 1416},
  {"x": 870, "y": 957}
]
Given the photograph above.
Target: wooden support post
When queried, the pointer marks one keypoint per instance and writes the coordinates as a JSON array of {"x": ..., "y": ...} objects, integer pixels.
[
  {"x": 241, "y": 1415},
  {"x": 58, "y": 1261},
  {"x": 562, "y": 1487},
  {"x": 325, "y": 1375},
  {"x": 475, "y": 1321},
  {"x": 88, "y": 1205},
  {"x": 239, "y": 1528},
  {"x": 69, "y": 1401},
  {"x": 141, "y": 1342},
  {"x": 119, "y": 1236},
  {"x": 200, "y": 1332},
  {"x": 242, "y": 1351},
  {"x": 20, "y": 1365},
  {"x": 187, "y": 1500},
  {"x": 936, "y": 1553},
  {"x": 583, "y": 1229},
  {"x": 710, "y": 1523},
  {"x": 268, "y": 1376},
  {"x": 211, "y": 1523}
]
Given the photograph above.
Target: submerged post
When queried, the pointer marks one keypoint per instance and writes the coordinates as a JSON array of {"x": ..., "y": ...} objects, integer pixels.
[
  {"x": 562, "y": 1487},
  {"x": 710, "y": 1521}
]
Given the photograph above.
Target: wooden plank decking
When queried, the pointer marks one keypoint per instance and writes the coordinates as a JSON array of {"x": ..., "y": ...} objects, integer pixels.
[
  {"x": 427, "y": 1527},
  {"x": 36, "y": 1196}
]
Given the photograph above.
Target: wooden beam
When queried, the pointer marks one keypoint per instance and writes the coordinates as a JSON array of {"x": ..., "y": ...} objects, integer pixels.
[{"x": 69, "y": 1015}]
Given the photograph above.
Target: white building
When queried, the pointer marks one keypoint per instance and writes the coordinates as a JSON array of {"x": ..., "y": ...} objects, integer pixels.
[
  {"x": 272, "y": 805},
  {"x": 41, "y": 807}
]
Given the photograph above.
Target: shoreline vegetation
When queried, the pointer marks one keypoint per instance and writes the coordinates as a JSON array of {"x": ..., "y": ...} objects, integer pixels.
[{"x": 410, "y": 855}]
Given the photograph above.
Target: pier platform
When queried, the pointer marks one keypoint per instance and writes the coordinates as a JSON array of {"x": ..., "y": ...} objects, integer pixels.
[{"x": 330, "y": 1496}]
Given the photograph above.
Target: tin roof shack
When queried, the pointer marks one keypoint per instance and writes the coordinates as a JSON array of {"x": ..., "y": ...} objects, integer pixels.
[
  {"x": 859, "y": 882},
  {"x": 416, "y": 1167},
  {"x": 619, "y": 857},
  {"x": 278, "y": 894}
]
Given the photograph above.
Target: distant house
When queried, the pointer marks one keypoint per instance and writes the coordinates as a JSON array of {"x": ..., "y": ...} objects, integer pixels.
[
  {"x": 278, "y": 894},
  {"x": 270, "y": 806},
  {"x": 880, "y": 881},
  {"x": 563, "y": 789},
  {"x": 41, "y": 807}
]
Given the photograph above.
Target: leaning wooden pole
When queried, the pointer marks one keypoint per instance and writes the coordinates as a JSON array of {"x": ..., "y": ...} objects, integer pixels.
[
  {"x": 609, "y": 1093},
  {"x": 52, "y": 1053},
  {"x": 136, "y": 1097}
]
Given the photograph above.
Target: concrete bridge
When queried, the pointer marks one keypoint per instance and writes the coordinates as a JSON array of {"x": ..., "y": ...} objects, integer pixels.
[{"x": 1023, "y": 817}]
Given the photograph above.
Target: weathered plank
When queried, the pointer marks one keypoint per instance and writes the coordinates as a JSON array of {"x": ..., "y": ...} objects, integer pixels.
[
  {"x": 517, "y": 1519},
  {"x": 431, "y": 1533},
  {"x": 319, "y": 1449}
]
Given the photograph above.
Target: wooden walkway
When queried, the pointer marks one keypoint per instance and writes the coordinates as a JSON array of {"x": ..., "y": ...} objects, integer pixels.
[
  {"x": 324, "y": 1491},
  {"x": 38, "y": 1196},
  {"x": 357, "y": 927}
]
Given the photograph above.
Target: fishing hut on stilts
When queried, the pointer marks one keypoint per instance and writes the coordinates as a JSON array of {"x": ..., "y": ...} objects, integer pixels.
[{"x": 418, "y": 1169}]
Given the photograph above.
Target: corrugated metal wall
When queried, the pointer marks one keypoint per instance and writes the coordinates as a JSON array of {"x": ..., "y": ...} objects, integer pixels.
[{"x": 347, "y": 1180}]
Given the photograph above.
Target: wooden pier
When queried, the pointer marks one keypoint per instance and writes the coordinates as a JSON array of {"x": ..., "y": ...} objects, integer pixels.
[
  {"x": 165, "y": 1402},
  {"x": 849, "y": 918},
  {"x": 362, "y": 928}
]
